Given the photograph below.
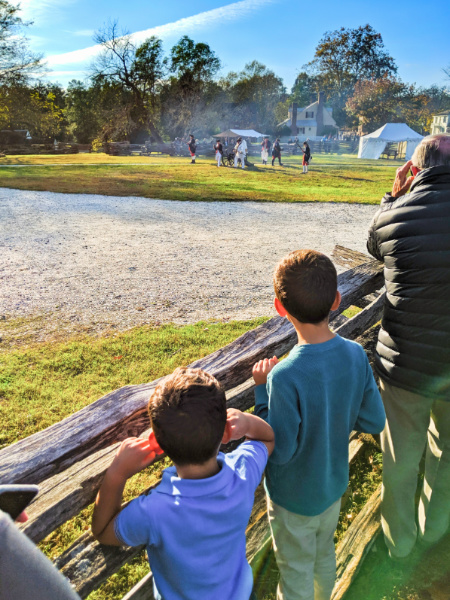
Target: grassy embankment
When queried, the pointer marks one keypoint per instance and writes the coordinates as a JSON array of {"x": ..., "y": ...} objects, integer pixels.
[{"x": 331, "y": 178}]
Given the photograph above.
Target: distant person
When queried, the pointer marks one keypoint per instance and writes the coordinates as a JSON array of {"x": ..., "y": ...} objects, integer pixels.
[
  {"x": 192, "y": 148},
  {"x": 276, "y": 152},
  {"x": 306, "y": 156},
  {"x": 410, "y": 234},
  {"x": 313, "y": 400},
  {"x": 219, "y": 152},
  {"x": 240, "y": 151},
  {"x": 193, "y": 523},
  {"x": 265, "y": 149}
]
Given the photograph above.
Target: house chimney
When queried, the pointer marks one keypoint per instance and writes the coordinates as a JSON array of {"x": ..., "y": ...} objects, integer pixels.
[
  {"x": 319, "y": 115},
  {"x": 294, "y": 119}
]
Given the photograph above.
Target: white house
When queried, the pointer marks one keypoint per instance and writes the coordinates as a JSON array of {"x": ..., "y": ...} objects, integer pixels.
[
  {"x": 312, "y": 119},
  {"x": 441, "y": 123}
]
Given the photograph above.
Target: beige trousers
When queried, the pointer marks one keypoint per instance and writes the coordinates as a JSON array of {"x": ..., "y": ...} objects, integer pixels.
[
  {"x": 304, "y": 550},
  {"x": 413, "y": 423}
]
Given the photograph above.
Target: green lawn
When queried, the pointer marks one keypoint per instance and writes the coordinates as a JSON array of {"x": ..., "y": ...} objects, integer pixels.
[
  {"x": 42, "y": 384},
  {"x": 331, "y": 178}
]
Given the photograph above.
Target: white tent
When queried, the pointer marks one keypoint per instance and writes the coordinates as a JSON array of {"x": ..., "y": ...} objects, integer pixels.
[
  {"x": 373, "y": 144},
  {"x": 240, "y": 133}
]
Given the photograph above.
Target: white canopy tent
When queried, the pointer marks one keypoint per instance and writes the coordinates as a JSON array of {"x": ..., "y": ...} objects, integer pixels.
[
  {"x": 239, "y": 133},
  {"x": 373, "y": 144}
]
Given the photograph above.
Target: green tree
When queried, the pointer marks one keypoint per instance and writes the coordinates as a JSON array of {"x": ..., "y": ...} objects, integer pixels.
[
  {"x": 83, "y": 111},
  {"x": 378, "y": 101},
  {"x": 375, "y": 102},
  {"x": 255, "y": 93},
  {"x": 34, "y": 108},
  {"x": 303, "y": 89},
  {"x": 345, "y": 56},
  {"x": 188, "y": 97}
]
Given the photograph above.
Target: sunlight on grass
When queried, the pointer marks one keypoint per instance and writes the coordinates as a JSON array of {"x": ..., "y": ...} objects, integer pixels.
[{"x": 331, "y": 178}]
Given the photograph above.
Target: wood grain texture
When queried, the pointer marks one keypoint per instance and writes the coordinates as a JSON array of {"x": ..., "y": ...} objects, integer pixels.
[
  {"x": 356, "y": 326},
  {"x": 345, "y": 257},
  {"x": 122, "y": 413},
  {"x": 143, "y": 590},
  {"x": 356, "y": 543}
]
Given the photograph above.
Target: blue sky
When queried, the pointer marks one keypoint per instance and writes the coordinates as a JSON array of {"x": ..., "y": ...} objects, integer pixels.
[{"x": 282, "y": 34}]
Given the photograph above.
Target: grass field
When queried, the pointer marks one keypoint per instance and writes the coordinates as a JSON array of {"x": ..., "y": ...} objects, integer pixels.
[{"x": 331, "y": 178}]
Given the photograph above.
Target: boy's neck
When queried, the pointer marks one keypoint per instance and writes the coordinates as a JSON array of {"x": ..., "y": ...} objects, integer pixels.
[
  {"x": 309, "y": 333},
  {"x": 207, "y": 469}
]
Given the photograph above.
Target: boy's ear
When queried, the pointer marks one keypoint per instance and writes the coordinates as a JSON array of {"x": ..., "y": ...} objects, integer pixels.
[
  {"x": 279, "y": 307},
  {"x": 337, "y": 301},
  {"x": 227, "y": 433}
]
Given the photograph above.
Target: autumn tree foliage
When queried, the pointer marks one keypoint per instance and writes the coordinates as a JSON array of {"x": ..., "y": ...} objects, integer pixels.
[
  {"x": 388, "y": 100},
  {"x": 345, "y": 56}
]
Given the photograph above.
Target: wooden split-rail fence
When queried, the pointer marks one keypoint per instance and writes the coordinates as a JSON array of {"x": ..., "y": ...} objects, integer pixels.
[{"x": 68, "y": 460}]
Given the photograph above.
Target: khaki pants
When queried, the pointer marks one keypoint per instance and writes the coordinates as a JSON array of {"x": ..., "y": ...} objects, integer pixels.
[
  {"x": 413, "y": 423},
  {"x": 304, "y": 549}
]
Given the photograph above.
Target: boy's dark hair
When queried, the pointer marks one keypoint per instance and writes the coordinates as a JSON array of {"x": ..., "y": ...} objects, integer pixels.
[
  {"x": 305, "y": 282},
  {"x": 188, "y": 415}
]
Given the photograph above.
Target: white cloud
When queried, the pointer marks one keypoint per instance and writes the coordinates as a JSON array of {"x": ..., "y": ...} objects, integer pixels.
[
  {"x": 74, "y": 73},
  {"x": 83, "y": 32},
  {"x": 231, "y": 12},
  {"x": 36, "y": 10}
]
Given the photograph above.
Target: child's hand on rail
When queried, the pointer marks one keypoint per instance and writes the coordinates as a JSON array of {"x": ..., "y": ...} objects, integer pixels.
[{"x": 262, "y": 368}]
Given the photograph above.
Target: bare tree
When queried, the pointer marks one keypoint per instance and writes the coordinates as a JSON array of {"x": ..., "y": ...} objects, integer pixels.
[
  {"x": 17, "y": 62},
  {"x": 136, "y": 69}
]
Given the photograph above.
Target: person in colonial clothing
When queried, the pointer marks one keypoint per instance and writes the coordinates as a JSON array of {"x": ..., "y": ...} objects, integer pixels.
[
  {"x": 276, "y": 152},
  {"x": 219, "y": 152},
  {"x": 265, "y": 149},
  {"x": 306, "y": 156},
  {"x": 192, "y": 147},
  {"x": 240, "y": 150}
]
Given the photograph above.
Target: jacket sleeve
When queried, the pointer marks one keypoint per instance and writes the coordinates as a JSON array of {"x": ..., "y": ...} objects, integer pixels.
[
  {"x": 373, "y": 246},
  {"x": 373, "y": 243}
]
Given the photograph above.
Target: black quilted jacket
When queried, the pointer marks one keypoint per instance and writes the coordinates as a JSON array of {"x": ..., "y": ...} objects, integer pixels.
[{"x": 411, "y": 235}]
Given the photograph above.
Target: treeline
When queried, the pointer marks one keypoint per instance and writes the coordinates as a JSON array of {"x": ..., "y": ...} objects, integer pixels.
[{"x": 136, "y": 92}]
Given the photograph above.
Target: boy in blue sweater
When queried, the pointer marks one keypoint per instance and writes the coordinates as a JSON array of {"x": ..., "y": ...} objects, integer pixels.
[
  {"x": 193, "y": 523},
  {"x": 313, "y": 400}
]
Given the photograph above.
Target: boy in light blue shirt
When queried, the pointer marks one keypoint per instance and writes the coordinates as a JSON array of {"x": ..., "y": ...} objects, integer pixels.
[
  {"x": 193, "y": 523},
  {"x": 313, "y": 400}
]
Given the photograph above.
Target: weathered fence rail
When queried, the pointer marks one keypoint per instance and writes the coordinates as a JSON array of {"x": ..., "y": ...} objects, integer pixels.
[{"x": 68, "y": 460}]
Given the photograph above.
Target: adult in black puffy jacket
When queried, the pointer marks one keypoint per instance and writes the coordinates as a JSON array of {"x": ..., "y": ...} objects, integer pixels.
[{"x": 410, "y": 233}]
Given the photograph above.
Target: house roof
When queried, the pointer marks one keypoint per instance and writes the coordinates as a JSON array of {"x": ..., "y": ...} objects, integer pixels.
[
  {"x": 442, "y": 114},
  {"x": 300, "y": 123}
]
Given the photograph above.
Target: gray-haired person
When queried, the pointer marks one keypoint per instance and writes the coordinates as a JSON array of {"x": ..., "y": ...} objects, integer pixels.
[{"x": 410, "y": 233}]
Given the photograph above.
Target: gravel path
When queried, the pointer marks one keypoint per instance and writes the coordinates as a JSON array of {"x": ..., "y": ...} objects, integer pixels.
[{"x": 91, "y": 263}]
